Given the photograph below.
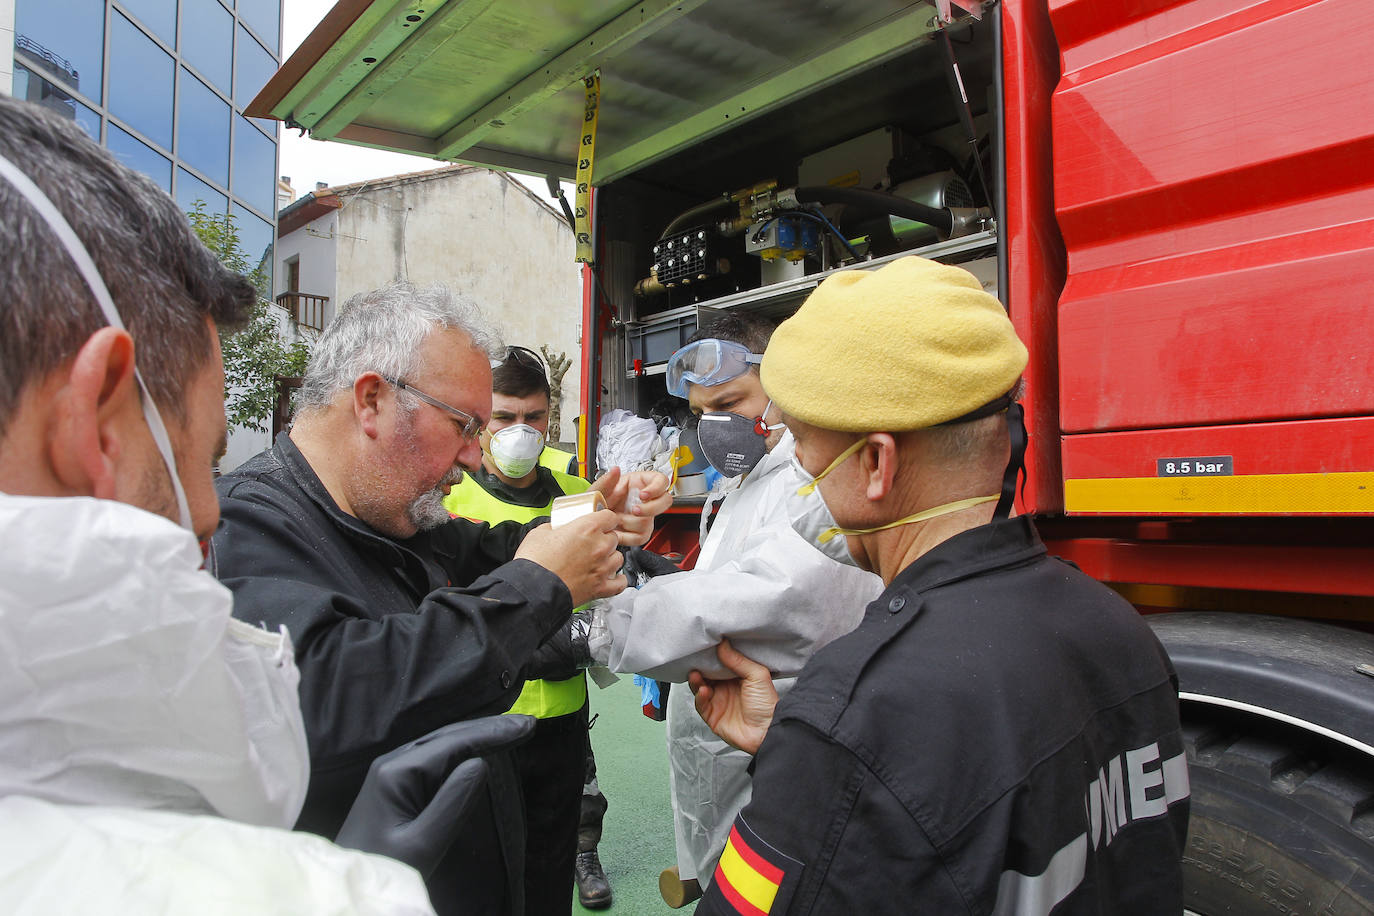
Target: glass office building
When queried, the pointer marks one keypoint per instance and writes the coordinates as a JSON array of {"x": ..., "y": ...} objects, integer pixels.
[{"x": 162, "y": 84}]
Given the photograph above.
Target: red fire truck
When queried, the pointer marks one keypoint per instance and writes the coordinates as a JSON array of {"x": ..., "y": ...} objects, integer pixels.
[{"x": 1173, "y": 198}]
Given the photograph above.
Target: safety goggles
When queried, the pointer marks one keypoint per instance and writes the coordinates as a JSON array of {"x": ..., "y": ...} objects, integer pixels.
[
  {"x": 708, "y": 362},
  {"x": 525, "y": 357}
]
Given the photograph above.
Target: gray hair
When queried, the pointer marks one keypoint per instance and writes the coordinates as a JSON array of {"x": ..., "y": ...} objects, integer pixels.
[
  {"x": 382, "y": 332},
  {"x": 164, "y": 282},
  {"x": 963, "y": 442}
]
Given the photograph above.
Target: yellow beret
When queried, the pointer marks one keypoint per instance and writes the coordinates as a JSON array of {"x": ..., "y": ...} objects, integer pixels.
[{"x": 910, "y": 345}]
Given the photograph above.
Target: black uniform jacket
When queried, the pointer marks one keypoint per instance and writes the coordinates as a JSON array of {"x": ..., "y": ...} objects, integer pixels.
[
  {"x": 393, "y": 638},
  {"x": 999, "y": 735}
]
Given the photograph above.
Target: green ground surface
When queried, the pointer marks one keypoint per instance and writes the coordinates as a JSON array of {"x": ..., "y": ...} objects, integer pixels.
[{"x": 632, "y": 767}]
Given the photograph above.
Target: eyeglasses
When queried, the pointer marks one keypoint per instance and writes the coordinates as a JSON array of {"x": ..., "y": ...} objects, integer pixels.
[{"x": 469, "y": 425}]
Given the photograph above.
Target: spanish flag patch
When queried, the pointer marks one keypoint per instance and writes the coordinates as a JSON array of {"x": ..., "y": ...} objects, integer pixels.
[{"x": 753, "y": 877}]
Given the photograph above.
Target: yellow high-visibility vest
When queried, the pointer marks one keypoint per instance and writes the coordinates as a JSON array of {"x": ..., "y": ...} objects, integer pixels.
[
  {"x": 540, "y": 698},
  {"x": 555, "y": 459}
]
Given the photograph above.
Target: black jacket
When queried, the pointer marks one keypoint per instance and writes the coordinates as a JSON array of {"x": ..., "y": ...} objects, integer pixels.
[
  {"x": 1000, "y": 734},
  {"x": 393, "y": 638}
]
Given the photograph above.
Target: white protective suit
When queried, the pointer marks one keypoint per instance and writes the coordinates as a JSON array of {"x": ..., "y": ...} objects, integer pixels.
[
  {"x": 151, "y": 746},
  {"x": 778, "y": 599}
]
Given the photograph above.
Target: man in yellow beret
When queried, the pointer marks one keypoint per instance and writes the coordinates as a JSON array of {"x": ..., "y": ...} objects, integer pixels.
[{"x": 1001, "y": 732}]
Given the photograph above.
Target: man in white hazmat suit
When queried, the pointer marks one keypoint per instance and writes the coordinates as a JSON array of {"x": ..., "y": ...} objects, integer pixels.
[
  {"x": 151, "y": 747},
  {"x": 755, "y": 581}
]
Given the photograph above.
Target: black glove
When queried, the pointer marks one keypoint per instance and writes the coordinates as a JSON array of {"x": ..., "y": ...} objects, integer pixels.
[
  {"x": 642, "y": 565},
  {"x": 415, "y": 798},
  {"x": 564, "y": 653}
]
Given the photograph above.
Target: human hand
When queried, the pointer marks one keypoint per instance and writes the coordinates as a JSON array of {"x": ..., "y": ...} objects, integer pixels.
[
  {"x": 650, "y": 490},
  {"x": 415, "y": 799},
  {"x": 740, "y": 709},
  {"x": 581, "y": 552}
]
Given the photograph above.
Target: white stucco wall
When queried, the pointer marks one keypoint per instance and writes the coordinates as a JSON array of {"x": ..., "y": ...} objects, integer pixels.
[
  {"x": 315, "y": 246},
  {"x": 7, "y": 47},
  {"x": 482, "y": 234}
]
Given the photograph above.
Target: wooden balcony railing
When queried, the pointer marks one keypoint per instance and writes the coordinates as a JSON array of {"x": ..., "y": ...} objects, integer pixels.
[{"x": 305, "y": 308}]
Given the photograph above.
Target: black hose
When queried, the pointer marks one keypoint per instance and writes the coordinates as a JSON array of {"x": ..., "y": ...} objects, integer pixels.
[
  {"x": 821, "y": 217},
  {"x": 688, "y": 216},
  {"x": 878, "y": 201}
]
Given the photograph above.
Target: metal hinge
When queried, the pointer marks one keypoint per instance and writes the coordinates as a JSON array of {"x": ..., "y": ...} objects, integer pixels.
[{"x": 944, "y": 9}]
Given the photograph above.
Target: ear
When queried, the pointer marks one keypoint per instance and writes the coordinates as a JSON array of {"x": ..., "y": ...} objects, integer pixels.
[
  {"x": 367, "y": 395},
  {"x": 92, "y": 413},
  {"x": 878, "y": 463}
]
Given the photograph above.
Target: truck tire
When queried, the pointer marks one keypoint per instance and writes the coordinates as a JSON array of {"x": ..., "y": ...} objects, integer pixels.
[{"x": 1282, "y": 821}]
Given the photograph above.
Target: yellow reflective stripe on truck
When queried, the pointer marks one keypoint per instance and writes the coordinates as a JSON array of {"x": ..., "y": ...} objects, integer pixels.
[{"x": 1280, "y": 494}]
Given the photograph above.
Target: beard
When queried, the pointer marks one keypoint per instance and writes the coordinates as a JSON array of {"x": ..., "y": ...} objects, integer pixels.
[{"x": 427, "y": 510}]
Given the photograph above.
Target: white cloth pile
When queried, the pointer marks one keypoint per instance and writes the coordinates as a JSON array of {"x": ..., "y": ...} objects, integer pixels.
[{"x": 628, "y": 442}]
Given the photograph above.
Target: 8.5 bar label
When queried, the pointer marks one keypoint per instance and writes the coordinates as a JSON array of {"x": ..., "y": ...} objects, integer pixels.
[{"x": 1214, "y": 466}]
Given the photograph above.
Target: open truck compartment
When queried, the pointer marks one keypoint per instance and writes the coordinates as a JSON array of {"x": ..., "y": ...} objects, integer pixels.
[
  {"x": 754, "y": 217},
  {"x": 742, "y": 151}
]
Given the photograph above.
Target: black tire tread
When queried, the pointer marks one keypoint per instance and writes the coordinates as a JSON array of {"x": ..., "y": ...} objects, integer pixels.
[
  {"x": 1283, "y": 820},
  {"x": 1312, "y": 770}
]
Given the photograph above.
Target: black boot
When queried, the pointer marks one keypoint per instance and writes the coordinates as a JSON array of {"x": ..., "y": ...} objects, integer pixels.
[{"x": 593, "y": 890}]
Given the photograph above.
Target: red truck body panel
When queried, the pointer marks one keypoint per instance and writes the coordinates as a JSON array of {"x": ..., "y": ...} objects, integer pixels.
[{"x": 1215, "y": 197}]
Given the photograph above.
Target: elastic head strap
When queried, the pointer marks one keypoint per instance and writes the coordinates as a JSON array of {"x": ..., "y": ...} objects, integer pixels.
[
  {"x": 86, "y": 267},
  {"x": 808, "y": 488},
  {"x": 1016, "y": 429}
]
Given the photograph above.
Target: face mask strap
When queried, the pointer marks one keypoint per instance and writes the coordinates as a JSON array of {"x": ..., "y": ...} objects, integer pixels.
[
  {"x": 86, "y": 267},
  {"x": 810, "y": 488},
  {"x": 761, "y": 422},
  {"x": 934, "y": 512},
  {"x": 1016, "y": 428}
]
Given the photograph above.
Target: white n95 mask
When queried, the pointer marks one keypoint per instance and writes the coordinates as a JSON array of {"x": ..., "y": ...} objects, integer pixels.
[
  {"x": 811, "y": 518},
  {"x": 515, "y": 450}
]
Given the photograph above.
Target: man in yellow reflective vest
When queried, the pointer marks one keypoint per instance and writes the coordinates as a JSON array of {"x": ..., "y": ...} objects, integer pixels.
[{"x": 519, "y": 478}]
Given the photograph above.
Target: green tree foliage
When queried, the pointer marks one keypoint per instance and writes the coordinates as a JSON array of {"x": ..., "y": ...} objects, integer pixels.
[{"x": 257, "y": 354}]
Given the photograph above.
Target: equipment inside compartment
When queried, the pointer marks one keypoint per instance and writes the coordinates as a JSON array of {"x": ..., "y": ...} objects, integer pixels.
[{"x": 896, "y": 158}]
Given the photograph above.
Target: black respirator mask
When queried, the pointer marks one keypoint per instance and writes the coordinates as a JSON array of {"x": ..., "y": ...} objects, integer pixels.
[{"x": 733, "y": 443}]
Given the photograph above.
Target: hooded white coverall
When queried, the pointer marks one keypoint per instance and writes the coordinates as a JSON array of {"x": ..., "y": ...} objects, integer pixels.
[
  {"x": 152, "y": 754},
  {"x": 778, "y": 598}
]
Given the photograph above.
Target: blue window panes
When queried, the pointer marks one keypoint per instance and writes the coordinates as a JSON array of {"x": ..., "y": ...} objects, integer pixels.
[
  {"x": 31, "y": 87},
  {"x": 140, "y": 81},
  {"x": 263, "y": 17},
  {"x": 63, "y": 41},
  {"x": 255, "y": 238},
  {"x": 252, "y": 69},
  {"x": 139, "y": 156},
  {"x": 157, "y": 16},
  {"x": 203, "y": 129},
  {"x": 207, "y": 34},
  {"x": 191, "y": 189},
  {"x": 255, "y": 167}
]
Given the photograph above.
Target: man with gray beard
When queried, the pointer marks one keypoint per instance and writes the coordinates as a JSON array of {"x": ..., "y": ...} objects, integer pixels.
[{"x": 405, "y": 620}]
